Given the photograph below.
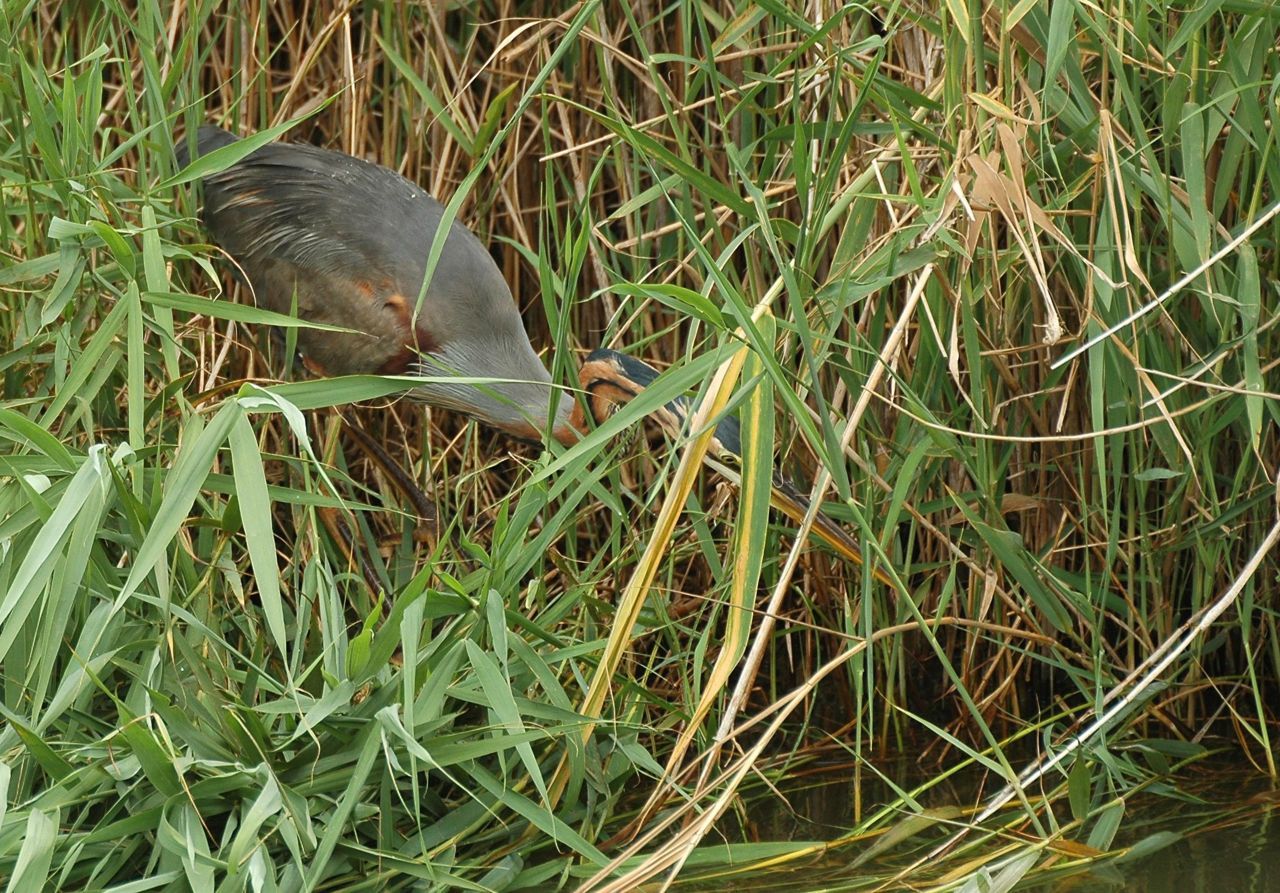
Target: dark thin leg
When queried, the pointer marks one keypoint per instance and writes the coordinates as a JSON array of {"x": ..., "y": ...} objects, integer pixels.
[
  {"x": 345, "y": 537},
  {"x": 428, "y": 529}
]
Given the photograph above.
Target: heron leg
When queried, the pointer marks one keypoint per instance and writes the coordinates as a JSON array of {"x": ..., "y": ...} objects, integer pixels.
[
  {"x": 345, "y": 538},
  {"x": 427, "y": 531}
]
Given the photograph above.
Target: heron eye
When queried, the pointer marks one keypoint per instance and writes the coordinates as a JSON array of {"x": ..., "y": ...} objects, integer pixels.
[{"x": 602, "y": 407}]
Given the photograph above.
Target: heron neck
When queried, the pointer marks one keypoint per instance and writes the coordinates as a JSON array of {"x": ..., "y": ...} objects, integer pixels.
[{"x": 571, "y": 421}]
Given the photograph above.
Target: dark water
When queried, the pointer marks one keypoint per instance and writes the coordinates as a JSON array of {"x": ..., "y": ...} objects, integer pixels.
[
  {"x": 1230, "y": 842},
  {"x": 1241, "y": 857},
  {"x": 1216, "y": 831}
]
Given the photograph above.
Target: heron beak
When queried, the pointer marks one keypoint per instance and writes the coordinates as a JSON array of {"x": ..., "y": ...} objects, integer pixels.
[
  {"x": 611, "y": 379},
  {"x": 788, "y": 500}
]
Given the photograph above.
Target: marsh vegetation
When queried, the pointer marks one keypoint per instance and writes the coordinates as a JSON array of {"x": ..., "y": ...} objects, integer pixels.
[{"x": 876, "y": 233}]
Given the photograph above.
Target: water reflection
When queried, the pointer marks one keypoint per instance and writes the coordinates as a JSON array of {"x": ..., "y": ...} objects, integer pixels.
[
  {"x": 1218, "y": 832},
  {"x": 1228, "y": 842}
]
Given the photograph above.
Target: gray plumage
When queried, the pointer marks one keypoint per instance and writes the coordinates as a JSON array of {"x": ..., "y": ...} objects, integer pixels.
[{"x": 351, "y": 239}]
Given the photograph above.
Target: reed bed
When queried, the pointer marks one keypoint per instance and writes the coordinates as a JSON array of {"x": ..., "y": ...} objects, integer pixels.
[{"x": 880, "y": 234}]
